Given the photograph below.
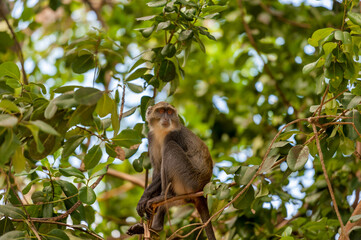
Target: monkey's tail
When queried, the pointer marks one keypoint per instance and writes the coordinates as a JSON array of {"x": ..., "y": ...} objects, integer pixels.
[{"x": 202, "y": 208}]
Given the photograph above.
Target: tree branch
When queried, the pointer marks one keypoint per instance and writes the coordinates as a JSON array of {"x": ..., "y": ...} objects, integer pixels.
[
  {"x": 320, "y": 154},
  {"x": 126, "y": 177}
]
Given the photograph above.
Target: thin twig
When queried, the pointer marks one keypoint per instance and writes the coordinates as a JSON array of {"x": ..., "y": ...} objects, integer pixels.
[
  {"x": 122, "y": 104},
  {"x": 320, "y": 154},
  {"x": 18, "y": 47},
  {"x": 323, "y": 100}
]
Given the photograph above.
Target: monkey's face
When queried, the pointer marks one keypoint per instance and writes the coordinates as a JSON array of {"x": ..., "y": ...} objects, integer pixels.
[{"x": 163, "y": 116}]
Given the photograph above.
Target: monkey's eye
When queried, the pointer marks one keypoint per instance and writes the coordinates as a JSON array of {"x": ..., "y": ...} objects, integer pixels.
[
  {"x": 170, "y": 111},
  {"x": 161, "y": 110}
]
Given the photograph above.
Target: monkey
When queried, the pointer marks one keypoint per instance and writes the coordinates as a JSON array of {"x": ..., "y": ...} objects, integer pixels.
[{"x": 181, "y": 163}]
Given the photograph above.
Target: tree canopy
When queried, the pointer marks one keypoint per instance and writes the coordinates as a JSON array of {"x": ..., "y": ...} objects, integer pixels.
[{"x": 272, "y": 87}]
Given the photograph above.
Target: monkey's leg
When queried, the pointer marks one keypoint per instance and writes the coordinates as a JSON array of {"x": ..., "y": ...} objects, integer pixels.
[
  {"x": 154, "y": 189},
  {"x": 202, "y": 208},
  {"x": 177, "y": 171}
]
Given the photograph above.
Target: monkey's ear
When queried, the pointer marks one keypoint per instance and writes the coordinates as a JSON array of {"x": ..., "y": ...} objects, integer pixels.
[{"x": 148, "y": 112}]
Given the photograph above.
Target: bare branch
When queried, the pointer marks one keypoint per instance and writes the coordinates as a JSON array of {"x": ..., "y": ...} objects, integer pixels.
[
  {"x": 127, "y": 177},
  {"x": 320, "y": 154}
]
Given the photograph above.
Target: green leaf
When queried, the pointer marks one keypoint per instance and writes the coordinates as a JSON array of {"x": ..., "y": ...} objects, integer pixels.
[
  {"x": 12, "y": 212},
  {"x": 297, "y": 157},
  {"x": 56, "y": 234},
  {"x": 168, "y": 50},
  {"x": 69, "y": 189},
  {"x": 335, "y": 74},
  {"x": 50, "y": 109},
  {"x": 146, "y": 32},
  {"x": 115, "y": 119},
  {"x": 210, "y": 188},
  {"x": 130, "y": 112},
  {"x": 319, "y": 35},
  {"x": 269, "y": 162},
  {"x": 146, "y": 18},
  {"x": 163, "y": 25},
  {"x": 8, "y": 147},
  {"x": 104, "y": 106},
  {"x": 354, "y": 102},
  {"x": 354, "y": 17},
  {"x": 245, "y": 174},
  {"x": 127, "y": 138},
  {"x": 263, "y": 189},
  {"x": 287, "y": 232},
  {"x": 30, "y": 184},
  {"x": 167, "y": 71},
  {"x": 160, "y": 3},
  {"x": 245, "y": 200},
  {"x": 328, "y": 47},
  {"x": 213, "y": 9},
  {"x": 43, "y": 126},
  {"x": 18, "y": 160},
  {"x": 135, "y": 88},
  {"x": 71, "y": 172},
  {"x": 82, "y": 115},
  {"x": 6, "y": 225},
  {"x": 185, "y": 34},
  {"x": 145, "y": 102},
  {"x": 8, "y": 121},
  {"x": 14, "y": 235},
  {"x": 35, "y": 131},
  {"x": 138, "y": 164},
  {"x": 8, "y": 106},
  {"x": 110, "y": 150},
  {"x": 223, "y": 191},
  {"x": 93, "y": 157},
  {"x": 87, "y": 195},
  {"x": 87, "y": 96},
  {"x": 311, "y": 66},
  {"x": 356, "y": 120},
  {"x": 136, "y": 74},
  {"x": 71, "y": 144},
  {"x": 10, "y": 70},
  {"x": 83, "y": 63},
  {"x": 139, "y": 62},
  {"x": 65, "y": 89}
]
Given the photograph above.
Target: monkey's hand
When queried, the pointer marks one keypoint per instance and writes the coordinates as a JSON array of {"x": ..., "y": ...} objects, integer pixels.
[{"x": 141, "y": 207}]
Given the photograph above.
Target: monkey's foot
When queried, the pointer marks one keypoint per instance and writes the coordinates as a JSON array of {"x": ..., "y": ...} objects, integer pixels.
[{"x": 136, "y": 229}]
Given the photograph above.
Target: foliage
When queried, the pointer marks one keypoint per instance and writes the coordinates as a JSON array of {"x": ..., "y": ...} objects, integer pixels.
[{"x": 273, "y": 92}]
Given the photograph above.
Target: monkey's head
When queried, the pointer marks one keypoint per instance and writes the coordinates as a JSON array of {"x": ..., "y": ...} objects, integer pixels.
[{"x": 163, "y": 116}]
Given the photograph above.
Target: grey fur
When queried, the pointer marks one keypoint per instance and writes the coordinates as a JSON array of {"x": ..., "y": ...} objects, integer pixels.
[{"x": 180, "y": 159}]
